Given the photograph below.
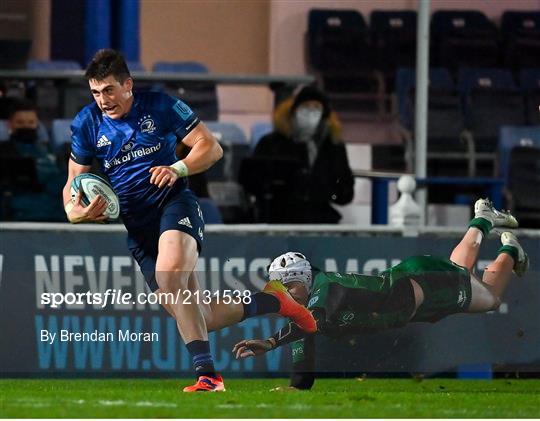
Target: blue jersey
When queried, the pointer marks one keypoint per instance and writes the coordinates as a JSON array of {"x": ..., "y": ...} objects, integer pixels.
[{"x": 128, "y": 147}]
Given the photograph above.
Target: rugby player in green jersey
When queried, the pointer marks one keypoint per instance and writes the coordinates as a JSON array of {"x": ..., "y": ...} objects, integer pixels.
[{"x": 419, "y": 289}]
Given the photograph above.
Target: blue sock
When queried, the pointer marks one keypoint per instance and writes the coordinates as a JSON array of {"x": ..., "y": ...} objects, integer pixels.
[{"x": 202, "y": 359}]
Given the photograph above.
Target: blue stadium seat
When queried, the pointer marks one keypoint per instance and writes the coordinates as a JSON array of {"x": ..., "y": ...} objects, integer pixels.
[
  {"x": 61, "y": 133},
  {"x": 42, "y": 133},
  {"x": 23, "y": 207},
  {"x": 522, "y": 185},
  {"x": 135, "y": 66},
  {"x": 4, "y": 130},
  {"x": 227, "y": 132},
  {"x": 520, "y": 21},
  {"x": 235, "y": 147},
  {"x": 470, "y": 79},
  {"x": 463, "y": 38},
  {"x": 201, "y": 96},
  {"x": 529, "y": 81},
  {"x": 445, "y": 123},
  {"x": 257, "y": 131},
  {"x": 337, "y": 40},
  {"x": 211, "y": 212},
  {"x": 490, "y": 99},
  {"x": 338, "y": 51},
  {"x": 180, "y": 67},
  {"x": 511, "y": 137},
  {"x": 521, "y": 39},
  {"x": 459, "y": 21},
  {"x": 439, "y": 80},
  {"x": 53, "y": 65},
  {"x": 405, "y": 83},
  {"x": 55, "y": 99},
  {"x": 331, "y": 18},
  {"x": 230, "y": 198},
  {"x": 393, "y": 37}
]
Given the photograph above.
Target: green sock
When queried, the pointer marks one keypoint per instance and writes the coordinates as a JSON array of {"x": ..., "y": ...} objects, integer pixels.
[
  {"x": 511, "y": 251},
  {"x": 482, "y": 224}
]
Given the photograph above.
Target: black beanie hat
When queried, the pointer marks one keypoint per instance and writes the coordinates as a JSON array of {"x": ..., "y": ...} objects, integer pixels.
[{"x": 310, "y": 93}]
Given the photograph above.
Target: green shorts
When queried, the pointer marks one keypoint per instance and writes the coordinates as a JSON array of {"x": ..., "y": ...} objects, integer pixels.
[{"x": 446, "y": 286}]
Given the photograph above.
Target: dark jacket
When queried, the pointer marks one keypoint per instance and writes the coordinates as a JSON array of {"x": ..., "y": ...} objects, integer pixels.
[{"x": 287, "y": 190}]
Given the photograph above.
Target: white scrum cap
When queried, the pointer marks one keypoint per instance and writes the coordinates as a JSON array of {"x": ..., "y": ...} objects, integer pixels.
[{"x": 291, "y": 266}]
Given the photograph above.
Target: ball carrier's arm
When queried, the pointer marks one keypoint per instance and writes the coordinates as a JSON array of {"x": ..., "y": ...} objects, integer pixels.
[
  {"x": 75, "y": 211},
  {"x": 205, "y": 152}
]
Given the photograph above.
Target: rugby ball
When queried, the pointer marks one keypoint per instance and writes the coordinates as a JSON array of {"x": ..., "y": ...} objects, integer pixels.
[{"x": 91, "y": 185}]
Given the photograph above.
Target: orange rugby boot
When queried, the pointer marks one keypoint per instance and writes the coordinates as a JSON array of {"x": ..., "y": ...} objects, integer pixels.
[
  {"x": 207, "y": 384},
  {"x": 290, "y": 308}
]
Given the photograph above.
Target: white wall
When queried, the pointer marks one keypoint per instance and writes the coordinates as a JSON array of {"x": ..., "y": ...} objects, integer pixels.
[{"x": 288, "y": 21}]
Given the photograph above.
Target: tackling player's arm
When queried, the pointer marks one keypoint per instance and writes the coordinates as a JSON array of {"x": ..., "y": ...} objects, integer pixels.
[
  {"x": 254, "y": 347},
  {"x": 290, "y": 333},
  {"x": 303, "y": 350},
  {"x": 303, "y": 355},
  {"x": 205, "y": 152},
  {"x": 75, "y": 211}
]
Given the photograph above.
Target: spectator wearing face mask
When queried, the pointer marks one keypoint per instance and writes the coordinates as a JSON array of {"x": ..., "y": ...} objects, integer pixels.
[
  {"x": 308, "y": 163},
  {"x": 33, "y": 192},
  {"x": 24, "y": 128}
]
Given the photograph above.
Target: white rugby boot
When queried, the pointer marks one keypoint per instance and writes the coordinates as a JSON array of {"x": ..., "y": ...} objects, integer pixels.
[
  {"x": 483, "y": 208},
  {"x": 522, "y": 264}
]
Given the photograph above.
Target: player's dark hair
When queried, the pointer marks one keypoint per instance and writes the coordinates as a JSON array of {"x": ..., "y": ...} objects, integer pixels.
[
  {"x": 22, "y": 105},
  {"x": 107, "y": 62}
]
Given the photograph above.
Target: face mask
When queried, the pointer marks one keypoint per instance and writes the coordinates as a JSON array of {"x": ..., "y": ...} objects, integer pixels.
[
  {"x": 24, "y": 135},
  {"x": 307, "y": 120}
]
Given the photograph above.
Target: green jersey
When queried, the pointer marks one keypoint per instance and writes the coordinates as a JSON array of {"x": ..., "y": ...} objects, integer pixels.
[{"x": 355, "y": 302}]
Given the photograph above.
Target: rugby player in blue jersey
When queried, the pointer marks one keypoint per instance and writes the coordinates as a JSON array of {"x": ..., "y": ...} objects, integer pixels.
[{"x": 134, "y": 138}]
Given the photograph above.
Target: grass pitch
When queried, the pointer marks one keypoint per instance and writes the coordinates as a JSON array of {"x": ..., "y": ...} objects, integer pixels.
[{"x": 343, "y": 398}]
